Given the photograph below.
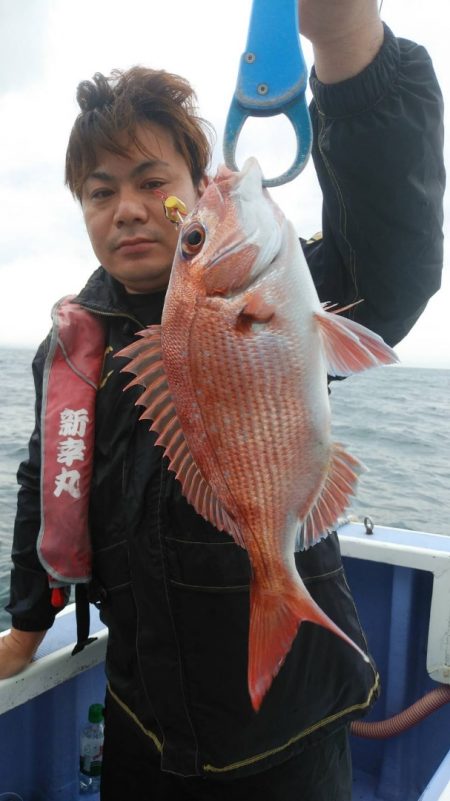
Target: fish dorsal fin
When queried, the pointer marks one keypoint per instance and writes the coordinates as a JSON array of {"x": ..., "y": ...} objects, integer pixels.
[
  {"x": 333, "y": 499},
  {"x": 147, "y": 365},
  {"x": 350, "y": 347}
]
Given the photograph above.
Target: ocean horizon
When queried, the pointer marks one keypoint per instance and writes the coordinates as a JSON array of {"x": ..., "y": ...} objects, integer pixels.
[{"x": 393, "y": 419}]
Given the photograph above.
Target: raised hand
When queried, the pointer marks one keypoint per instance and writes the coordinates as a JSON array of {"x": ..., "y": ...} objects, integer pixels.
[{"x": 345, "y": 34}]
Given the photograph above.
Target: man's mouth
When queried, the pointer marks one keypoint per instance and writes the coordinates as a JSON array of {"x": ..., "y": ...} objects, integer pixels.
[{"x": 135, "y": 245}]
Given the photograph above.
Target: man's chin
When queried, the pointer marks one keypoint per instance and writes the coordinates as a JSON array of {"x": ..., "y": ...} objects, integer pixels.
[
  {"x": 140, "y": 280},
  {"x": 147, "y": 284}
]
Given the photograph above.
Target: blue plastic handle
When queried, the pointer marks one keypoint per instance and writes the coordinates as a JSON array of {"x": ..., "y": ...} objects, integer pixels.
[{"x": 272, "y": 80}]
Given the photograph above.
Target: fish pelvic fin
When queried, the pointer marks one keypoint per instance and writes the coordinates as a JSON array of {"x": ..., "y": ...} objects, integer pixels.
[
  {"x": 256, "y": 310},
  {"x": 148, "y": 367},
  {"x": 333, "y": 499},
  {"x": 274, "y": 622},
  {"x": 350, "y": 347}
]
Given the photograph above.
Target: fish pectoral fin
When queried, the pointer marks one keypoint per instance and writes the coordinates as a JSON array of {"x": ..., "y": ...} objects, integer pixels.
[
  {"x": 350, "y": 347},
  {"x": 334, "y": 498},
  {"x": 274, "y": 622},
  {"x": 147, "y": 365},
  {"x": 255, "y": 310}
]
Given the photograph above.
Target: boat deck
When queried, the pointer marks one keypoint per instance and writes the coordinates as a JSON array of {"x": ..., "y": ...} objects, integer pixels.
[{"x": 400, "y": 581}]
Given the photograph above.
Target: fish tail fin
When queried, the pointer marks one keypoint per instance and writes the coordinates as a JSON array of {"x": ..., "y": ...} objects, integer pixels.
[{"x": 274, "y": 622}]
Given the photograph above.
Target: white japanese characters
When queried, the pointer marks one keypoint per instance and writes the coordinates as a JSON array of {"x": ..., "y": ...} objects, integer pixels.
[
  {"x": 70, "y": 451},
  {"x": 73, "y": 423}
]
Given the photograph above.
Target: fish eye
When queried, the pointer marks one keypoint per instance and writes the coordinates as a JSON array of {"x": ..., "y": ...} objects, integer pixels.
[{"x": 192, "y": 240}]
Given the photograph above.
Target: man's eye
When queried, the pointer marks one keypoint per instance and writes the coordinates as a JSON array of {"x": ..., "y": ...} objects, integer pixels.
[
  {"x": 101, "y": 194},
  {"x": 152, "y": 184}
]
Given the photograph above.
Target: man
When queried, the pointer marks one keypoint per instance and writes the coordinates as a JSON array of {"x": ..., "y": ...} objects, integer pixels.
[{"x": 179, "y": 723}]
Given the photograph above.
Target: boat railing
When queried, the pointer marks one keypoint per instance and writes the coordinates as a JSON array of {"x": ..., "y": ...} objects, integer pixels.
[
  {"x": 417, "y": 551},
  {"x": 54, "y": 663},
  {"x": 401, "y": 583}
]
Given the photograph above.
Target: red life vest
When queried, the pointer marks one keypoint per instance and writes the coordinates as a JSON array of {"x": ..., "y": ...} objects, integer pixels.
[{"x": 71, "y": 376}]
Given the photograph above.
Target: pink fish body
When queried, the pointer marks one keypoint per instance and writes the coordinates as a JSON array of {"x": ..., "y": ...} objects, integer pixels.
[{"x": 236, "y": 386}]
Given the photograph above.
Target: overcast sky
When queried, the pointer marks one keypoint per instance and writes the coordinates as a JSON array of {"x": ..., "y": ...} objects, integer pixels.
[{"x": 48, "y": 46}]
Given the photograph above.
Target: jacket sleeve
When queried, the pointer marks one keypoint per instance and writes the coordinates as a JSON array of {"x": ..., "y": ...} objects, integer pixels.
[
  {"x": 30, "y": 604},
  {"x": 378, "y": 154}
]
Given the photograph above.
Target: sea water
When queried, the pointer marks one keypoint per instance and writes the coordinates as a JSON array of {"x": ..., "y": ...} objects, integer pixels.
[{"x": 396, "y": 420}]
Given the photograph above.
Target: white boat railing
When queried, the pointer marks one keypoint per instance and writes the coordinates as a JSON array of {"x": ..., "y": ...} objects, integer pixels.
[
  {"x": 420, "y": 551},
  {"x": 439, "y": 787},
  {"x": 54, "y": 663}
]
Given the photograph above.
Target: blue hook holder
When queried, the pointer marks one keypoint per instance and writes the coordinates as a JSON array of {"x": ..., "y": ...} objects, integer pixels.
[{"x": 272, "y": 80}]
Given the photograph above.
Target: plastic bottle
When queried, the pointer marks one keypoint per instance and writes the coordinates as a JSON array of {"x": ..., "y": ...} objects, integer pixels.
[{"x": 91, "y": 750}]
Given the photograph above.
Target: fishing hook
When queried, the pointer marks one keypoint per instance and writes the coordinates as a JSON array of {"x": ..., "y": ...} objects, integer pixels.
[{"x": 174, "y": 208}]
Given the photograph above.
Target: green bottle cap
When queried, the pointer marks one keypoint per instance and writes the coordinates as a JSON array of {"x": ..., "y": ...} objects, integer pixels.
[{"x": 95, "y": 713}]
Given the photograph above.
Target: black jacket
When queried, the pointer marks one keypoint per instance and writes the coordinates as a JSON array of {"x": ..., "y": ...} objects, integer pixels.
[{"x": 174, "y": 591}]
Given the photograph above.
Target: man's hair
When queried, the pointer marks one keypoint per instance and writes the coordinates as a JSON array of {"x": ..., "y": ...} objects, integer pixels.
[{"x": 114, "y": 105}]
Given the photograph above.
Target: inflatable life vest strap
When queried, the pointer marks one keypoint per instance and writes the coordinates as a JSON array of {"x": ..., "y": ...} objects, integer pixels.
[{"x": 71, "y": 376}]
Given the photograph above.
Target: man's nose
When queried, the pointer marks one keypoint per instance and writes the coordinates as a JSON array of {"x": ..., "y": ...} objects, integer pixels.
[{"x": 130, "y": 209}]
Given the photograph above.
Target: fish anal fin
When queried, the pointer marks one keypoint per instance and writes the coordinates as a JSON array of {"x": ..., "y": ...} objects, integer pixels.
[
  {"x": 338, "y": 487},
  {"x": 147, "y": 365},
  {"x": 274, "y": 622},
  {"x": 350, "y": 347}
]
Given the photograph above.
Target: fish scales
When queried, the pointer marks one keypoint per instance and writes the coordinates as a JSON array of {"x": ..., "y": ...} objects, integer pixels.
[
  {"x": 243, "y": 411},
  {"x": 243, "y": 420},
  {"x": 273, "y": 361}
]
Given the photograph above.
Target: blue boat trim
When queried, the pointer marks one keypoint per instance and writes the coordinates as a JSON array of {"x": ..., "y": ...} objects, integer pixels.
[{"x": 419, "y": 551}]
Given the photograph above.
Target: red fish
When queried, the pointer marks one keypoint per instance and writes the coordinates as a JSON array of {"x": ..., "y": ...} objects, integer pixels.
[{"x": 236, "y": 387}]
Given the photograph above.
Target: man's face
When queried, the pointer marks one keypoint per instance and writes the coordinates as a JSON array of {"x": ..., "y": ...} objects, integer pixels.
[{"x": 125, "y": 219}]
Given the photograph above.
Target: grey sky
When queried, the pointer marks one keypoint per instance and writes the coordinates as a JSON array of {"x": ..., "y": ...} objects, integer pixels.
[
  {"x": 23, "y": 26},
  {"x": 48, "y": 46}
]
